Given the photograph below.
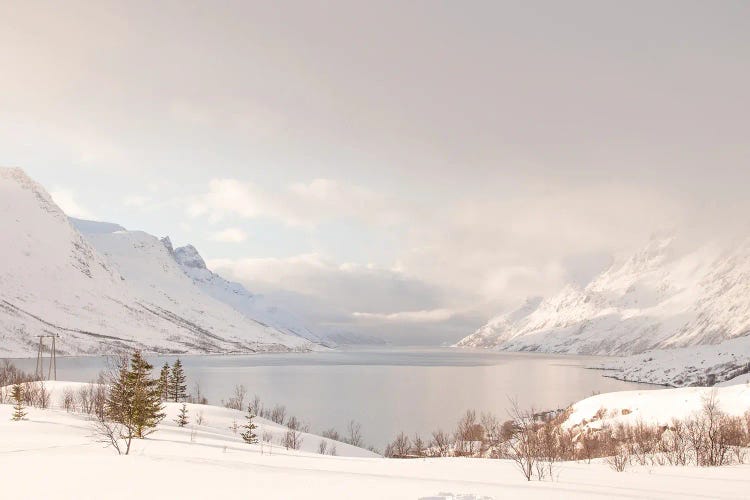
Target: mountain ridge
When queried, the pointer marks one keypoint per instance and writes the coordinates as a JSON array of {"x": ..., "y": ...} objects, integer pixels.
[
  {"x": 54, "y": 281},
  {"x": 659, "y": 297}
]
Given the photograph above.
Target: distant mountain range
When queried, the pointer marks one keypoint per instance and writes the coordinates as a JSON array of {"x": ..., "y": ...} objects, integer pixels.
[
  {"x": 99, "y": 286},
  {"x": 664, "y": 296}
]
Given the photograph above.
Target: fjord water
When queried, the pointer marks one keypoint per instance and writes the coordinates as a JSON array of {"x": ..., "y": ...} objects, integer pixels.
[{"x": 387, "y": 390}]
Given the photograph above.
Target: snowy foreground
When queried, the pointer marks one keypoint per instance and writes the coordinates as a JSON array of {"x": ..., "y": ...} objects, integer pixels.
[{"x": 53, "y": 454}]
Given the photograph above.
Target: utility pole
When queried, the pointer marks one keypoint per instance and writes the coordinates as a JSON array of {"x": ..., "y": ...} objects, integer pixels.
[{"x": 52, "y": 370}]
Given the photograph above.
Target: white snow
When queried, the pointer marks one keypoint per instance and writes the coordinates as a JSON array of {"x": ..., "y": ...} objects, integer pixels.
[
  {"x": 658, "y": 407},
  {"x": 53, "y": 455},
  {"x": 684, "y": 366}
]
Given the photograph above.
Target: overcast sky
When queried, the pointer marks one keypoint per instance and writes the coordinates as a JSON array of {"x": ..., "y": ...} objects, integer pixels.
[{"x": 403, "y": 168}]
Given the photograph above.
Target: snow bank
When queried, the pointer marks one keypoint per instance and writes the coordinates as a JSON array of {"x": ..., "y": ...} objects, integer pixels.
[{"x": 655, "y": 407}]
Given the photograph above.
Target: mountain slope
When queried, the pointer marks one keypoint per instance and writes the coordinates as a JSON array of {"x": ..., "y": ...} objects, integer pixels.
[
  {"x": 658, "y": 298},
  {"x": 258, "y": 307},
  {"x": 54, "y": 281},
  {"x": 238, "y": 297}
]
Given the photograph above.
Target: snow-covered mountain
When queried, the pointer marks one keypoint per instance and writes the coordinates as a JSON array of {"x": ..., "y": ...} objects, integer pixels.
[
  {"x": 253, "y": 306},
  {"x": 146, "y": 251},
  {"x": 125, "y": 289},
  {"x": 662, "y": 297}
]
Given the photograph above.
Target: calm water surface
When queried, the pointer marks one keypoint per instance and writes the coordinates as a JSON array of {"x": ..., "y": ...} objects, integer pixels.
[{"x": 387, "y": 390}]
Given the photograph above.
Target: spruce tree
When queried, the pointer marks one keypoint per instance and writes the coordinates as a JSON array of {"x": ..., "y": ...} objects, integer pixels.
[
  {"x": 146, "y": 397},
  {"x": 134, "y": 399},
  {"x": 249, "y": 435},
  {"x": 164, "y": 382},
  {"x": 177, "y": 382},
  {"x": 182, "y": 418},
  {"x": 18, "y": 410}
]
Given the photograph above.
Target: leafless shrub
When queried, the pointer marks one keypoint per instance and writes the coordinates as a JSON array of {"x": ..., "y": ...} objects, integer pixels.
[
  {"x": 256, "y": 406},
  {"x": 440, "y": 445},
  {"x": 68, "y": 400},
  {"x": 469, "y": 435},
  {"x": 589, "y": 445},
  {"x": 331, "y": 434},
  {"x": 354, "y": 433},
  {"x": 399, "y": 448},
  {"x": 322, "y": 446},
  {"x": 492, "y": 434},
  {"x": 267, "y": 436},
  {"x": 237, "y": 400},
  {"x": 618, "y": 459},
  {"x": 112, "y": 434},
  {"x": 278, "y": 414},
  {"x": 292, "y": 440},
  {"x": 199, "y": 419},
  {"x": 297, "y": 425},
  {"x": 523, "y": 444},
  {"x": 418, "y": 447},
  {"x": 85, "y": 398},
  {"x": 196, "y": 397},
  {"x": 332, "y": 450}
]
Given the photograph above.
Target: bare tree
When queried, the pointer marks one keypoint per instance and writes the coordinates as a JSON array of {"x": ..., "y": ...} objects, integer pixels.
[
  {"x": 112, "y": 434},
  {"x": 292, "y": 439},
  {"x": 418, "y": 446},
  {"x": 469, "y": 435},
  {"x": 331, "y": 434},
  {"x": 354, "y": 431},
  {"x": 440, "y": 443},
  {"x": 523, "y": 444},
  {"x": 69, "y": 399},
  {"x": 278, "y": 414},
  {"x": 237, "y": 400},
  {"x": 399, "y": 448}
]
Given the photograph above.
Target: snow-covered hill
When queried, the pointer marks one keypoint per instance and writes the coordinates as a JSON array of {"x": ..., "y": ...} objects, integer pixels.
[
  {"x": 54, "y": 281},
  {"x": 208, "y": 459},
  {"x": 661, "y": 297}
]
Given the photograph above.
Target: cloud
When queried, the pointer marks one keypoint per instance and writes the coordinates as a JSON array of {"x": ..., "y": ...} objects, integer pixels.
[
  {"x": 298, "y": 204},
  {"x": 427, "y": 316},
  {"x": 500, "y": 251},
  {"x": 230, "y": 235},
  {"x": 351, "y": 287},
  {"x": 65, "y": 199},
  {"x": 136, "y": 201}
]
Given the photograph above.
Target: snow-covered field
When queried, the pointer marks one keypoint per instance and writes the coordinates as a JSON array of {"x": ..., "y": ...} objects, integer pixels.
[{"x": 54, "y": 455}]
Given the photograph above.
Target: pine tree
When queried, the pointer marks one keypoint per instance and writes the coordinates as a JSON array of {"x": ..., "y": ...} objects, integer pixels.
[
  {"x": 18, "y": 410},
  {"x": 164, "y": 382},
  {"x": 249, "y": 435},
  {"x": 146, "y": 397},
  {"x": 182, "y": 418},
  {"x": 177, "y": 382},
  {"x": 134, "y": 399}
]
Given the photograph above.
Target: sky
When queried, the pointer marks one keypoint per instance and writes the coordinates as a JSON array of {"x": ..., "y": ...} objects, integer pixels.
[{"x": 405, "y": 169}]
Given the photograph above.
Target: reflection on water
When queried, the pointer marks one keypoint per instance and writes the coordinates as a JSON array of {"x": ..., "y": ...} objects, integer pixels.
[{"x": 387, "y": 390}]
